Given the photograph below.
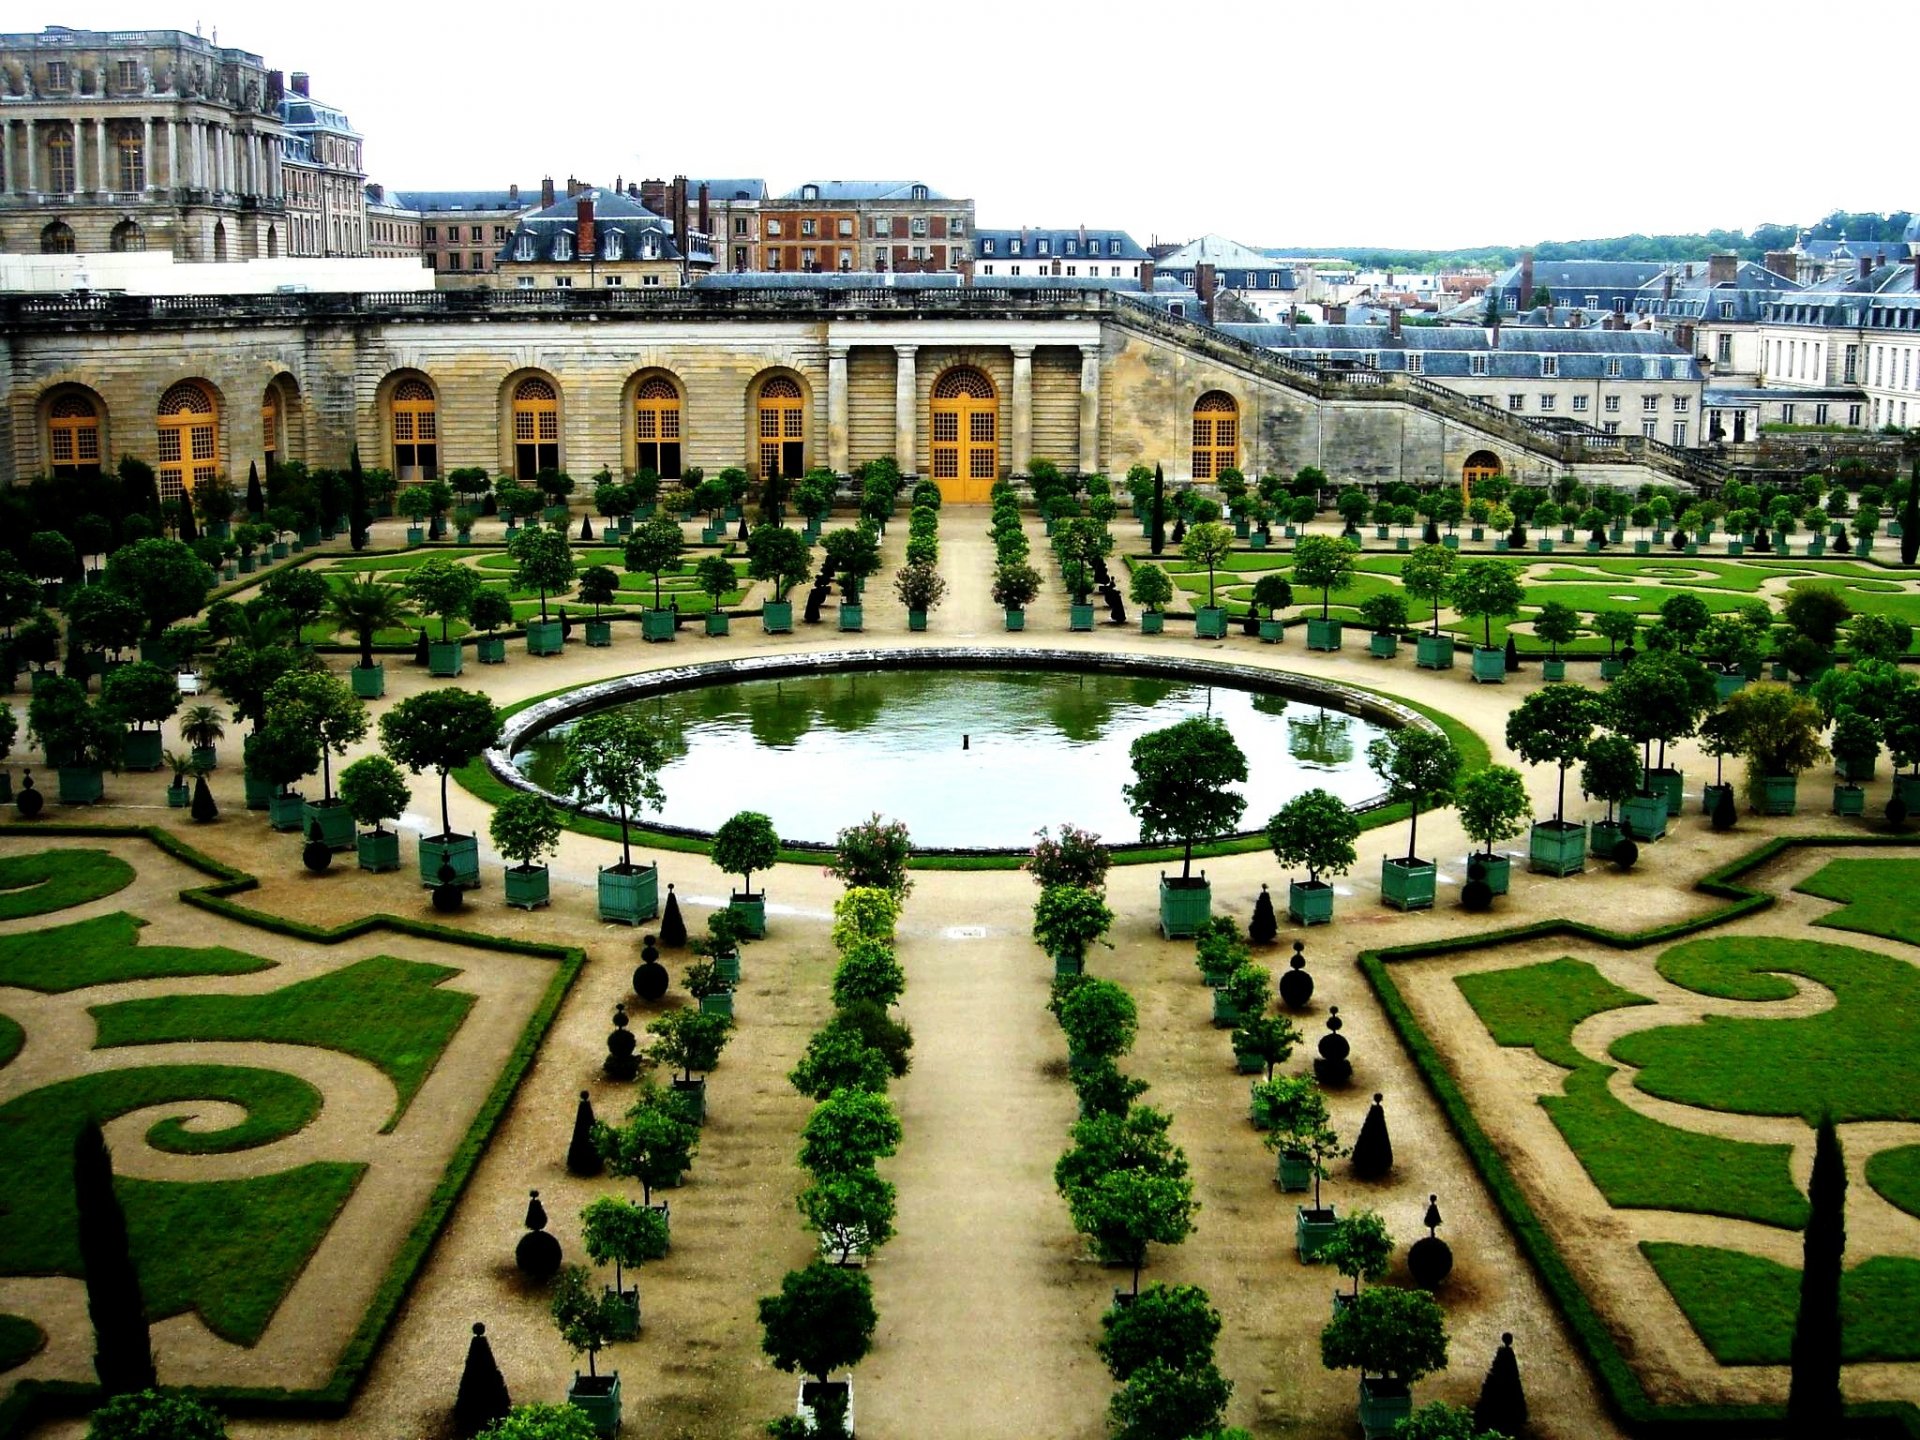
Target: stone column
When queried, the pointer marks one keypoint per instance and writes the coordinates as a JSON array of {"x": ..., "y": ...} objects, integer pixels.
[
  {"x": 100, "y": 142},
  {"x": 1089, "y": 409},
  {"x": 173, "y": 153},
  {"x": 27, "y": 150},
  {"x": 146, "y": 152},
  {"x": 905, "y": 406},
  {"x": 1022, "y": 408},
  {"x": 12, "y": 186},
  {"x": 837, "y": 428}
]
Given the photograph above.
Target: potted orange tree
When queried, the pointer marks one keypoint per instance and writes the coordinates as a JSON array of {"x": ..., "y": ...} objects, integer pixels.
[
  {"x": 614, "y": 759},
  {"x": 373, "y": 789},
  {"x": 1315, "y": 829},
  {"x": 525, "y": 828},
  {"x": 1180, "y": 793},
  {"x": 743, "y": 844},
  {"x": 1419, "y": 767}
]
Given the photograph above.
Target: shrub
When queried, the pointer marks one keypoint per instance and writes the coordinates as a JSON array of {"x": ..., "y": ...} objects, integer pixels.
[
  {"x": 873, "y": 853},
  {"x": 1317, "y": 830},
  {"x": 1395, "y": 1334},
  {"x": 822, "y": 1320},
  {"x": 1076, "y": 858},
  {"x": 1174, "y": 1324},
  {"x": 1067, "y": 919},
  {"x": 155, "y": 1415},
  {"x": 1181, "y": 775}
]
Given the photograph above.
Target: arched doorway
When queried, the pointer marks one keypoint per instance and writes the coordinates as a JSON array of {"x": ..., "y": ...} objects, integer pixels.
[
  {"x": 189, "y": 425},
  {"x": 1216, "y": 434},
  {"x": 783, "y": 429},
  {"x": 416, "y": 431},
  {"x": 966, "y": 436},
  {"x": 1481, "y": 465},
  {"x": 536, "y": 427},
  {"x": 128, "y": 235},
  {"x": 220, "y": 240},
  {"x": 273, "y": 242},
  {"x": 272, "y": 428},
  {"x": 656, "y": 427},
  {"x": 57, "y": 239},
  {"x": 73, "y": 437}
]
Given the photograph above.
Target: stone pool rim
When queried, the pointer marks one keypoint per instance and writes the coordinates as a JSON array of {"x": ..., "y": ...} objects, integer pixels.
[{"x": 524, "y": 725}]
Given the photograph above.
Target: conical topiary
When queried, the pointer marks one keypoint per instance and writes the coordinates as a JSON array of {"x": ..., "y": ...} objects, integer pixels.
[
  {"x": 1373, "y": 1149},
  {"x": 1502, "y": 1407},
  {"x": 586, "y": 527},
  {"x": 203, "y": 808},
  {"x": 650, "y": 978},
  {"x": 483, "y": 1395},
  {"x": 1332, "y": 1067},
  {"x": 583, "y": 1156},
  {"x": 1265, "y": 925},
  {"x": 538, "y": 1253},
  {"x": 29, "y": 802},
  {"x": 673, "y": 930},
  {"x": 1430, "y": 1259},
  {"x": 420, "y": 648},
  {"x": 621, "y": 1063},
  {"x": 123, "y": 1351},
  {"x": 1725, "y": 816},
  {"x": 1296, "y": 986},
  {"x": 1513, "y": 656}
]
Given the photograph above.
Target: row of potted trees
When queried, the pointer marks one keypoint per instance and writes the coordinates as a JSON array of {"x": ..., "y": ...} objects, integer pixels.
[{"x": 918, "y": 583}]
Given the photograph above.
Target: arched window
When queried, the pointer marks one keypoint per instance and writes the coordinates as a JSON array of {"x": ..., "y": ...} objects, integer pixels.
[
  {"x": 416, "y": 432},
  {"x": 656, "y": 427},
  {"x": 189, "y": 439},
  {"x": 220, "y": 240},
  {"x": 73, "y": 437},
  {"x": 57, "y": 239},
  {"x": 1216, "y": 434},
  {"x": 60, "y": 161},
  {"x": 536, "y": 428},
  {"x": 966, "y": 436},
  {"x": 271, "y": 430},
  {"x": 783, "y": 429},
  {"x": 273, "y": 242},
  {"x": 128, "y": 235}
]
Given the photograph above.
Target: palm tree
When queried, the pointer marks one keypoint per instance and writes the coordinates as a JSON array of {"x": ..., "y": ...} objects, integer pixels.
[
  {"x": 366, "y": 605},
  {"x": 201, "y": 727}
]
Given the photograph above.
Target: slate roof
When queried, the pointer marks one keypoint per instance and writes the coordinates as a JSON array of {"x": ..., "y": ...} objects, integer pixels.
[
  {"x": 932, "y": 280},
  {"x": 643, "y": 234},
  {"x": 854, "y": 190},
  {"x": 1130, "y": 249},
  {"x": 1448, "y": 350},
  {"x": 727, "y": 189},
  {"x": 1767, "y": 394},
  {"x": 1588, "y": 276},
  {"x": 435, "y": 201},
  {"x": 1218, "y": 251},
  {"x": 299, "y": 112}
]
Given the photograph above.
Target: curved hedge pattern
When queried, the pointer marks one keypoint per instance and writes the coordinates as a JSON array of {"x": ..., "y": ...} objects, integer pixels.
[{"x": 58, "y": 879}]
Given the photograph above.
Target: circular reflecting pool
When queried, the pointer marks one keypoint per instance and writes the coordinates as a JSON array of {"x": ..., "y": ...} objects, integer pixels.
[{"x": 967, "y": 758}]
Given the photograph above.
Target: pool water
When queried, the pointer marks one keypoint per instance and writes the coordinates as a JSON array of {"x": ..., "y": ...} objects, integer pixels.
[{"x": 966, "y": 758}]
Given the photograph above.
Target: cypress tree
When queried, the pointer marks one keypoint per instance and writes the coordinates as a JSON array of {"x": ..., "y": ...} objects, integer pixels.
[
  {"x": 189, "y": 530},
  {"x": 256, "y": 502},
  {"x": 1910, "y": 520},
  {"x": 1502, "y": 1407},
  {"x": 1159, "y": 510},
  {"x": 123, "y": 1352},
  {"x": 1813, "y": 1394},
  {"x": 483, "y": 1395}
]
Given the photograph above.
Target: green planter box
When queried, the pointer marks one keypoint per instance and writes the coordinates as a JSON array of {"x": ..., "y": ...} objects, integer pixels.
[
  {"x": 656, "y": 625},
  {"x": 629, "y": 897},
  {"x": 1557, "y": 847},
  {"x": 1478, "y": 532},
  {"x": 444, "y": 658},
  {"x": 1502, "y": 545},
  {"x": 1384, "y": 1405},
  {"x": 369, "y": 681},
  {"x": 1593, "y": 547},
  {"x": 692, "y": 1095},
  {"x": 1293, "y": 1171},
  {"x": 1210, "y": 622},
  {"x": 1079, "y": 617},
  {"x": 597, "y": 1399},
  {"x": 1645, "y": 816},
  {"x": 1323, "y": 634},
  {"x": 545, "y": 637},
  {"x": 1226, "y": 1014},
  {"x": 1779, "y": 794},
  {"x": 718, "y": 1003},
  {"x": 1016, "y": 619},
  {"x": 1383, "y": 647},
  {"x": 1310, "y": 902},
  {"x": 229, "y": 572},
  {"x": 279, "y": 549},
  {"x": 1543, "y": 545},
  {"x": 462, "y": 852},
  {"x": 1710, "y": 797},
  {"x": 1643, "y": 547},
  {"x": 259, "y": 792},
  {"x": 179, "y": 797},
  {"x": 1407, "y": 885},
  {"x": 852, "y": 616},
  {"x": 527, "y": 886},
  {"x": 1553, "y": 669},
  {"x": 1380, "y": 532},
  {"x": 378, "y": 850},
  {"x": 490, "y": 650},
  {"x": 1602, "y": 836},
  {"x": 1185, "y": 906},
  {"x": 1451, "y": 542},
  {"x": 1068, "y": 965},
  {"x": 917, "y": 621},
  {"x": 719, "y": 623},
  {"x": 1725, "y": 686},
  {"x": 1693, "y": 547},
  {"x": 140, "y": 750},
  {"x": 1402, "y": 544},
  {"x": 81, "y": 785},
  {"x": 1672, "y": 784},
  {"x": 1242, "y": 527},
  {"x": 1613, "y": 668},
  {"x": 416, "y": 535},
  {"x": 727, "y": 966},
  {"x": 1312, "y": 1229},
  {"x": 776, "y": 617},
  {"x": 1259, "y": 540},
  {"x": 287, "y": 812},
  {"x": 599, "y": 633},
  {"x": 1152, "y": 622},
  {"x": 334, "y": 821},
  {"x": 1816, "y": 547},
  {"x": 1849, "y": 800},
  {"x": 247, "y": 564},
  {"x": 752, "y": 911},
  {"x": 1434, "y": 652},
  {"x": 1489, "y": 666},
  {"x": 1496, "y": 870},
  {"x": 1273, "y": 632},
  {"x": 1734, "y": 547}
]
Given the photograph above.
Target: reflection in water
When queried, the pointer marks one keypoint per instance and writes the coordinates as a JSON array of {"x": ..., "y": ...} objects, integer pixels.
[{"x": 965, "y": 758}]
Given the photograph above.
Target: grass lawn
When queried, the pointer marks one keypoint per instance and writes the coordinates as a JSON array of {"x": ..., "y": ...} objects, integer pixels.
[
  {"x": 56, "y": 879},
  {"x": 105, "y": 951},
  {"x": 1859, "y": 1060},
  {"x": 1743, "y": 1306},
  {"x": 20, "y": 1341},
  {"x": 391, "y": 1013},
  {"x": 1896, "y": 1175},
  {"x": 1638, "y": 1163},
  {"x": 1882, "y": 897},
  {"x": 12, "y": 1037},
  {"x": 226, "y": 1248},
  {"x": 343, "y": 568}
]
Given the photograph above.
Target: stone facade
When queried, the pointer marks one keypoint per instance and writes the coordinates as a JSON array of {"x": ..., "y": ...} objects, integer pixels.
[
  {"x": 1084, "y": 378},
  {"x": 325, "y": 178}
]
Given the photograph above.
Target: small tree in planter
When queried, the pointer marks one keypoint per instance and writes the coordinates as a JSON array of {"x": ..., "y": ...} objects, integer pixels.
[
  {"x": 619, "y": 1233},
  {"x": 1175, "y": 1325},
  {"x": 1555, "y": 725},
  {"x": 1617, "y": 628},
  {"x": 441, "y": 730},
  {"x": 614, "y": 759},
  {"x": 445, "y": 588},
  {"x": 655, "y": 549},
  {"x": 373, "y": 790},
  {"x": 1420, "y": 767},
  {"x": 1014, "y": 586},
  {"x": 1483, "y": 590},
  {"x": 365, "y": 606},
  {"x": 691, "y": 1040},
  {"x": 1150, "y": 587},
  {"x": 526, "y": 828},
  {"x": 202, "y": 727},
  {"x": 1272, "y": 594},
  {"x": 1427, "y": 574},
  {"x": 743, "y": 844},
  {"x": 589, "y": 1322},
  {"x": 163, "y": 577},
  {"x": 315, "y": 705},
  {"x": 600, "y": 586},
  {"x": 781, "y": 558},
  {"x": 1159, "y": 1401},
  {"x": 1301, "y": 1134},
  {"x": 1493, "y": 808},
  {"x": 848, "y": 1130},
  {"x": 1076, "y": 858},
  {"x": 1208, "y": 544},
  {"x": 1317, "y": 830},
  {"x": 1611, "y": 774},
  {"x": 1360, "y": 1248},
  {"x": 838, "y": 1057},
  {"x": 873, "y": 855},
  {"x": 1066, "y": 920},
  {"x": 921, "y": 590},
  {"x": 1385, "y": 614},
  {"x": 1323, "y": 563},
  {"x": 821, "y": 1321},
  {"x": 1123, "y": 1211},
  {"x": 656, "y": 1142},
  {"x": 715, "y": 576},
  {"x": 415, "y": 503},
  {"x": 853, "y": 1212},
  {"x": 1394, "y": 1338},
  {"x": 1179, "y": 793},
  {"x": 543, "y": 562},
  {"x": 1779, "y": 734},
  {"x": 1099, "y": 1020},
  {"x": 855, "y": 553},
  {"x": 1558, "y": 625},
  {"x": 146, "y": 697},
  {"x": 491, "y": 609}
]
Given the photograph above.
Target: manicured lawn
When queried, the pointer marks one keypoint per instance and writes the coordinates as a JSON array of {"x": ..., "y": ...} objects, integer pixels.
[
  {"x": 1743, "y": 1306},
  {"x": 105, "y": 951},
  {"x": 391, "y": 1013},
  {"x": 226, "y": 1248},
  {"x": 56, "y": 879},
  {"x": 20, "y": 1340},
  {"x": 1540, "y": 1005},
  {"x": 1896, "y": 1175},
  {"x": 1859, "y": 1060},
  {"x": 1882, "y": 897}
]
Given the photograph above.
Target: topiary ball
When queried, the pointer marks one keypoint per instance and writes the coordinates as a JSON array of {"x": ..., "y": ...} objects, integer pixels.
[
  {"x": 1625, "y": 855},
  {"x": 1296, "y": 986},
  {"x": 448, "y": 898},
  {"x": 1476, "y": 894},
  {"x": 650, "y": 980},
  {"x": 317, "y": 856},
  {"x": 537, "y": 1255},
  {"x": 1429, "y": 1261},
  {"x": 29, "y": 802}
]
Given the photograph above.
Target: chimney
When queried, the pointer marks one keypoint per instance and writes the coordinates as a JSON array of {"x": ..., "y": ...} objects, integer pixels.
[
  {"x": 679, "y": 214},
  {"x": 1916, "y": 270},
  {"x": 1393, "y": 321},
  {"x": 619, "y": 183},
  {"x": 1493, "y": 335},
  {"x": 1781, "y": 263},
  {"x": 1577, "y": 320},
  {"x": 1723, "y": 268},
  {"x": 966, "y": 274},
  {"x": 1689, "y": 270},
  {"x": 705, "y": 227},
  {"x": 573, "y": 187},
  {"x": 1205, "y": 280},
  {"x": 1866, "y": 266},
  {"x": 633, "y": 190},
  {"x": 376, "y": 192},
  {"x": 1293, "y": 317},
  {"x": 513, "y": 194},
  {"x": 583, "y": 225},
  {"x": 1879, "y": 259},
  {"x": 1336, "y": 314},
  {"x": 1683, "y": 337},
  {"x": 1666, "y": 288},
  {"x": 546, "y": 192},
  {"x": 299, "y": 81},
  {"x": 1146, "y": 276},
  {"x": 1526, "y": 282}
]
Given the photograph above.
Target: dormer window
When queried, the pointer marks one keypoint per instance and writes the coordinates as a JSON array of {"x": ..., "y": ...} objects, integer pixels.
[
  {"x": 1015, "y": 247},
  {"x": 563, "y": 245},
  {"x": 614, "y": 246},
  {"x": 986, "y": 247},
  {"x": 920, "y": 192},
  {"x": 809, "y": 192},
  {"x": 1043, "y": 247},
  {"x": 1549, "y": 365},
  {"x": 1073, "y": 247},
  {"x": 522, "y": 248}
]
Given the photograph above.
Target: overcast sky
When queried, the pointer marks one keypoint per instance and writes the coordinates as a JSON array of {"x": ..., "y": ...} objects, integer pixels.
[{"x": 1420, "y": 125}]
